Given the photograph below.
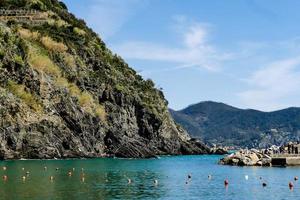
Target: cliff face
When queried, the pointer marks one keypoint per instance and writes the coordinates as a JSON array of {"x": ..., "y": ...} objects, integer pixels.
[{"x": 64, "y": 94}]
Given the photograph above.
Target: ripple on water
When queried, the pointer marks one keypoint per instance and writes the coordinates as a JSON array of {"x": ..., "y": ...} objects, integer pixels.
[{"x": 108, "y": 179}]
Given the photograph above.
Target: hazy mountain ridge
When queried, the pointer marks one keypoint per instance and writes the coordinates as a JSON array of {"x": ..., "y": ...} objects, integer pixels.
[{"x": 220, "y": 123}]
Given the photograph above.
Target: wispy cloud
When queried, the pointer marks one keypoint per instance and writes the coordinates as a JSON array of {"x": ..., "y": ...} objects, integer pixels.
[
  {"x": 195, "y": 36},
  {"x": 108, "y": 17},
  {"x": 272, "y": 86},
  {"x": 194, "y": 50},
  {"x": 267, "y": 71},
  {"x": 193, "y": 33}
]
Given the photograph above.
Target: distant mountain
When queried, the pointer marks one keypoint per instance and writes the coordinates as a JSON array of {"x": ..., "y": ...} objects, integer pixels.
[{"x": 223, "y": 124}]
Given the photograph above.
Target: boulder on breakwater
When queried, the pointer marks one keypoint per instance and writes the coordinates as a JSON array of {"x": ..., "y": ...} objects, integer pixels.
[{"x": 243, "y": 157}]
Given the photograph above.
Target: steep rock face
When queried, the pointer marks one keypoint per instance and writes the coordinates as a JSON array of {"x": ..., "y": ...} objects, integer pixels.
[{"x": 64, "y": 94}]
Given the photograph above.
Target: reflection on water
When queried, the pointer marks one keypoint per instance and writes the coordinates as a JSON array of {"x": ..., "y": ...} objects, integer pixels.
[
  {"x": 108, "y": 179},
  {"x": 103, "y": 179}
]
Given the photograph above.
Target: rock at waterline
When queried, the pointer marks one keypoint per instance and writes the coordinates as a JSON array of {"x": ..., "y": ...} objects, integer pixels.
[{"x": 247, "y": 158}]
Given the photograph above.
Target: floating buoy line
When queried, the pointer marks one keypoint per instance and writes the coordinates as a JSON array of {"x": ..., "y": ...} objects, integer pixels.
[{"x": 130, "y": 181}]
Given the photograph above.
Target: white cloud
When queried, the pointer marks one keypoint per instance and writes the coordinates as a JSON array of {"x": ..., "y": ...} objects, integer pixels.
[
  {"x": 193, "y": 51},
  {"x": 272, "y": 87},
  {"x": 195, "y": 36},
  {"x": 202, "y": 56},
  {"x": 108, "y": 17}
]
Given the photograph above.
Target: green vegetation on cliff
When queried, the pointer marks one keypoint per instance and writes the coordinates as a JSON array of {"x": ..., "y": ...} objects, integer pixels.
[{"x": 71, "y": 96}]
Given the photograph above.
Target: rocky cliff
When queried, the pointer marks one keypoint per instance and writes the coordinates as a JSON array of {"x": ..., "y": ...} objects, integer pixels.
[{"x": 64, "y": 94}]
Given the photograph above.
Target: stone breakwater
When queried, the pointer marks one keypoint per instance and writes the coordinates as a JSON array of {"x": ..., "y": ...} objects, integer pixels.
[
  {"x": 285, "y": 155},
  {"x": 251, "y": 157}
]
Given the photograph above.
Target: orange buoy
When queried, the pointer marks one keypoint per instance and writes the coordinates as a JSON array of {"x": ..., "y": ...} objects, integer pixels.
[
  {"x": 226, "y": 182},
  {"x": 296, "y": 178},
  {"x": 291, "y": 185}
]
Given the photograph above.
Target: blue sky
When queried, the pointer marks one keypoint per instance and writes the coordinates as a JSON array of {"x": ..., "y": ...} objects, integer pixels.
[{"x": 241, "y": 52}]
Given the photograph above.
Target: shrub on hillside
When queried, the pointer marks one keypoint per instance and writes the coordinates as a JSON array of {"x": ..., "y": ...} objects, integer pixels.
[
  {"x": 42, "y": 63},
  {"x": 19, "y": 91},
  {"x": 74, "y": 90},
  {"x": 69, "y": 60},
  {"x": 27, "y": 34},
  {"x": 79, "y": 31},
  {"x": 62, "y": 82},
  {"x": 85, "y": 99},
  {"x": 18, "y": 60},
  {"x": 53, "y": 45},
  {"x": 100, "y": 112}
]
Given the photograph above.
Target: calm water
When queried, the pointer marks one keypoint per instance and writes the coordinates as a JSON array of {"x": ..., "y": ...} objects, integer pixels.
[{"x": 107, "y": 179}]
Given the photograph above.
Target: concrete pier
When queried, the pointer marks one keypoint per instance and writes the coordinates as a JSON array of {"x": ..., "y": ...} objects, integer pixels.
[{"x": 286, "y": 160}]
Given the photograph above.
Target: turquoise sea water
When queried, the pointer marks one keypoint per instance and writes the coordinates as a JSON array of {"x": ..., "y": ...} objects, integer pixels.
[{"x": 108, "y": 179}]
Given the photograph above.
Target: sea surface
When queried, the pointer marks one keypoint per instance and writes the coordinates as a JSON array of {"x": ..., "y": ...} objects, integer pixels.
[{"x": 108, "y": 179}]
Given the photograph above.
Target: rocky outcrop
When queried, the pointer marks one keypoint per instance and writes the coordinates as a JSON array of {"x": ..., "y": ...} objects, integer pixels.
[
  {"x": 251, "y": 157},
  {"x": 63, "y": 94},
  {"x": 219, "y": 150}
]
